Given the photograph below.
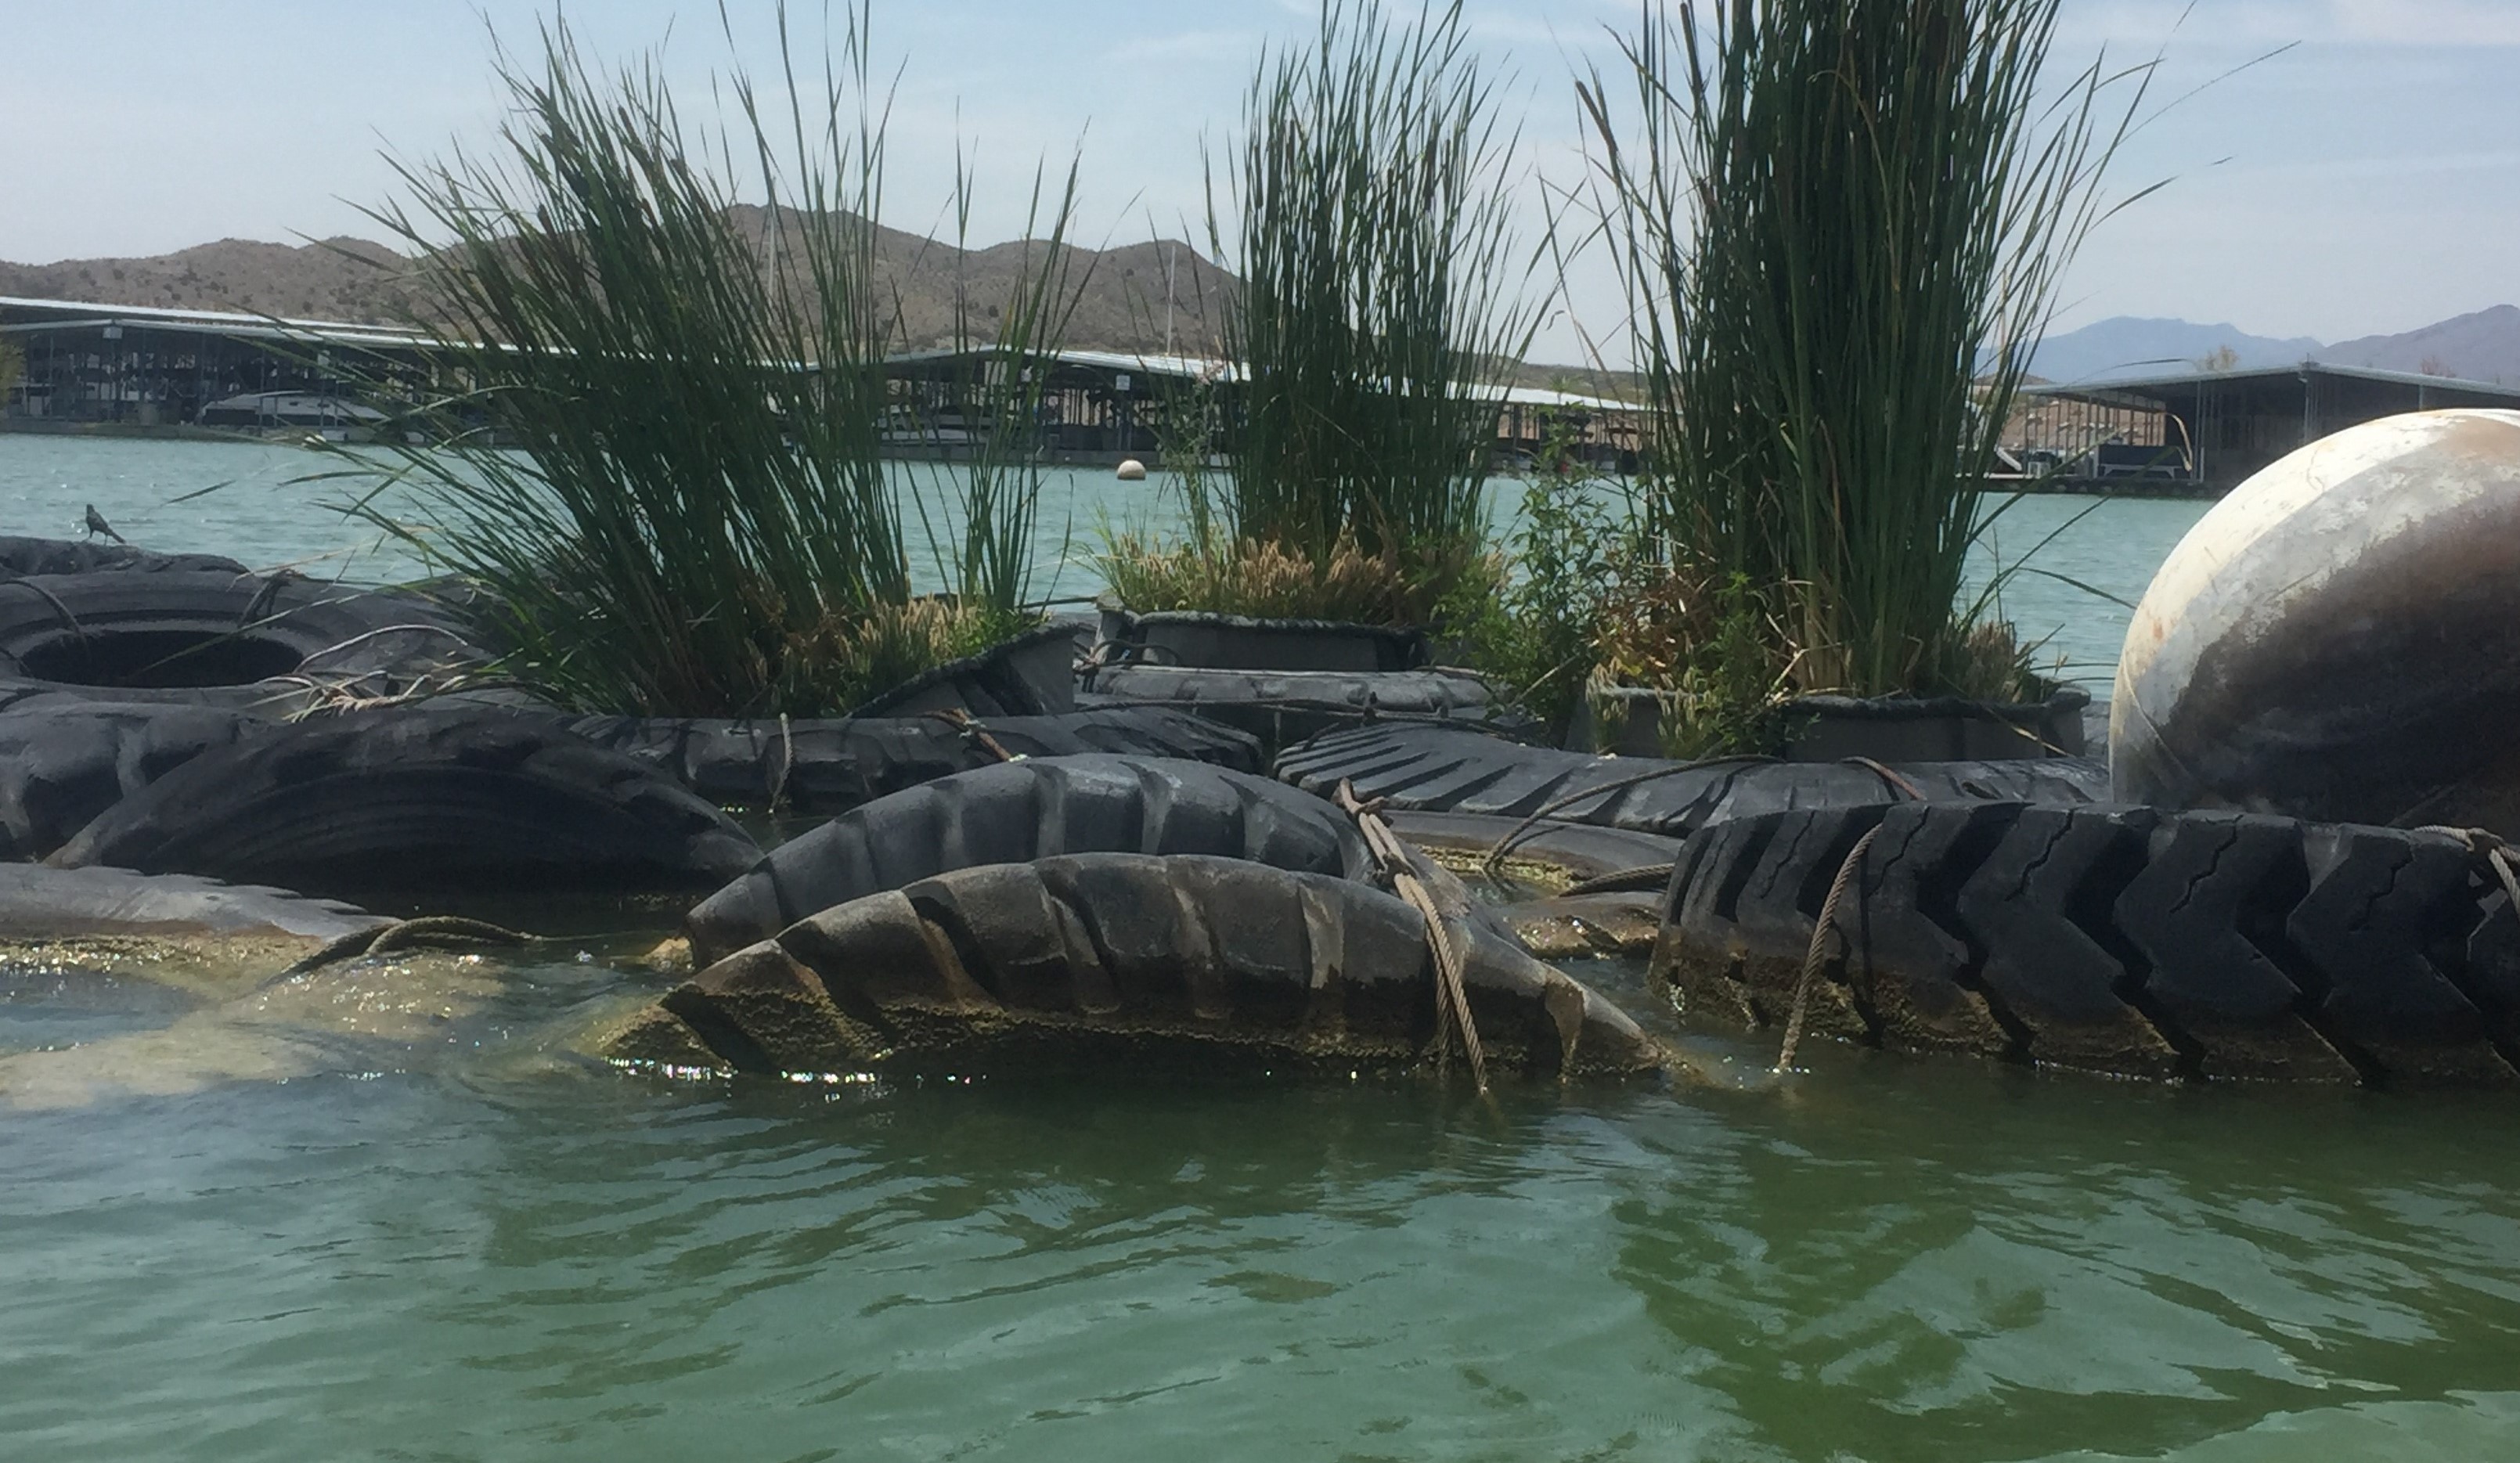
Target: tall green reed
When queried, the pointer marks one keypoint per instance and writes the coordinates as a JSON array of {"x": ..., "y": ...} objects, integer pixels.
[
  {"x": 662, "y": 453},
  {"x": 1382, "y": 293},
  {"x": 1841, "y": 224}
]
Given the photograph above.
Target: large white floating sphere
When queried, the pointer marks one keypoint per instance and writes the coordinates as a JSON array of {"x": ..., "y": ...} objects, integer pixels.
[
  {"x": 1131, "y": 470},
  {"x": 2339, "y": 639}
]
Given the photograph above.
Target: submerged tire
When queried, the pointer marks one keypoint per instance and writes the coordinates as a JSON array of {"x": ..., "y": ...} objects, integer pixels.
[
  {"x": 1449, "y": 770},
  {"x": 63, "y": 765},
  {"x": 212, "y": 638},
  {"x": 832, "y": 766},
  {"x": 1582, "y": 926},
  {"x": 2113, "y": 938},
  {"x": 37, "y": 902},
  {"x": 409, "y": 799},
  {"x": 1017, "y": 811},
  {"x": 1285, "y": 707},
  {"x": 1121, "y": 962},
  {"x": 1549, "y": 854}
]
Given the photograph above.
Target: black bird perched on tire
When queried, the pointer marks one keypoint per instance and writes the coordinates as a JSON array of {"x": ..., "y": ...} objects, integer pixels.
[{"x": 96, "y": 524}]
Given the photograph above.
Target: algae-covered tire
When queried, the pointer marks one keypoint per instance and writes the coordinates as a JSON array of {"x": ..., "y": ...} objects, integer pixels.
[
  {"x": 2108, "y": 938},
  {"x": 1017, "y": 811},
  {"x": 1449, "y": 770},
  {"x": 1122, "y": 963},
  {"x": 1548, "y": 853},
  {"x": 380, "y": 802},
  {"x": 37, "y": 902},
  {"x": 65, "y": 763},
  {"x": 193, "y": 637},
  {"x": 1583, "y": 927},
  {"x": 1284, "y": 707},
  {"x": 24, "y": 557},
  {"x": 833, "y": 766}
]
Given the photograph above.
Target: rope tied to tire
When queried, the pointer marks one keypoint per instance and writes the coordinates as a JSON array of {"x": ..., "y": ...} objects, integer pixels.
[
  {"x": 428, "y": 932},
  {"x": 1818, "y": 953},
  {"x": 2497, "y": 853},
  {"x": 973, "y": 732},
  {"x": 1452, "y": 992}
]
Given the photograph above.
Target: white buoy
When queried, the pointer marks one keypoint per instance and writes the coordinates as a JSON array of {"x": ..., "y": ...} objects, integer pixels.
[
  {"x": 1132, "y": 471},
  {"x": 2339, "y": 639}
]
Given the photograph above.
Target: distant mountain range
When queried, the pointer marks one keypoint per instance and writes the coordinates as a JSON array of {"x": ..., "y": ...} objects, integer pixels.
[
  {"x": 2484, "y": 346},
  {"x": 1122, "y": 307},
  {"x": 357, "y": 281}
]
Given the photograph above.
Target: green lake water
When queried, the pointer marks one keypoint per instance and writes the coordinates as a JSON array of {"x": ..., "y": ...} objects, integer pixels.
[{"x": 385, "y": 1212}]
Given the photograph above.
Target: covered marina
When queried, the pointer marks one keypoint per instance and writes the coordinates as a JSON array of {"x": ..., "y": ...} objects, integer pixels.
[
  {"x": 2203, "y": 433},
  {"x": 108, "y": 367}
]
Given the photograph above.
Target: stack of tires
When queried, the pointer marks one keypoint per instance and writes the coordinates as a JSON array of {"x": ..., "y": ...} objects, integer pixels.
[{"x": 179, "y": 714}]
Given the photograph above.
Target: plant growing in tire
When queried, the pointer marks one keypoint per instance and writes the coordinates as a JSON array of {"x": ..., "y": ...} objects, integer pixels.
[
  {"x": 1880, "y": 186},
  {"x": 662, "y": 457},
  {"x": 1365, "y": 206}
]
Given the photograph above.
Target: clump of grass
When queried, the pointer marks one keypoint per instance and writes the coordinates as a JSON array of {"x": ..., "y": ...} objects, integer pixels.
[
  {"x": 1534, "y": 626},
  {"x": 1380, "y": 305},
  {"x": 661, "y": 457},
  {"x": 1840, "y": 223},
  {"x": 1261, "y": 579}
]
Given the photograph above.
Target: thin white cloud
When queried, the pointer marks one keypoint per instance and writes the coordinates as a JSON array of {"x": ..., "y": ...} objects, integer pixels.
[
  {"x": 2388, "y": 22},
  {"x": 2429, "y": 23}
]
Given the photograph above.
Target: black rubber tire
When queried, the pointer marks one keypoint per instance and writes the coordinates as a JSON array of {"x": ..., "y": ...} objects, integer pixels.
[
  {"x": 1017, "y": 811},
  {"x": 1451, "y": 770},
  {"x": 24, "y": 557},
  {"x": 37, "y": 902},
  {"x": 63, "y": 765},
  {"x": 1122, "y": 963},
  {"x": 211, "y": 637},
  {"x": 1032, "y": 674},
  {"x": 409, "y": 801},
  {"x": 829, "y": 767},
  {"x": 2108, "y": 938},
  {"x": 1285, "y": 707},
  {"x": 1220, "y": 642}
]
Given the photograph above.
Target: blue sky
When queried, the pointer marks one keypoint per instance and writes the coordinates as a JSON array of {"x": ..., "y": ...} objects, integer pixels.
[{"x": 2366, "y": 180}]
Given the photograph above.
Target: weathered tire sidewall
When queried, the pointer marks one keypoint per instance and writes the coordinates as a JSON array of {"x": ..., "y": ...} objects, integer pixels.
[
  {"x": 303, "y": 625},
  {"x": 1207, "y": 640},
  {"x": 401, "y": 801}
]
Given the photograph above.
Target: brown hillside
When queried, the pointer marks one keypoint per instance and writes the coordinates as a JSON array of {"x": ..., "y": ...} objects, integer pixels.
[
  {"x": 338, "y": 279},
  {"x": 1121, "y": 306},
  {"x": 359, "y": 280}
]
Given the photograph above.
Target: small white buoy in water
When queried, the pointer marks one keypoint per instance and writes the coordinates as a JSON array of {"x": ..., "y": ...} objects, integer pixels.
[{"x": 1132, "y": 471}]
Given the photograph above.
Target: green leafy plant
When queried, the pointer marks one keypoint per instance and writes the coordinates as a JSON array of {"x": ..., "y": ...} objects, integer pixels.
[
  {"x": 661, "y": 458},
  {"x": 1380, "y": 304},
  {"x": 1840, "y": 224},
  {"x": 1535, "y": 627}
]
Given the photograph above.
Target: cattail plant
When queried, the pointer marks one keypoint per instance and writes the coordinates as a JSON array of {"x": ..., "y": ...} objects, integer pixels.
[
  {"x": 1841, "y": 224},
  {"x": 1366, "y": 208},
  {"x": 662, "y": 461}
]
